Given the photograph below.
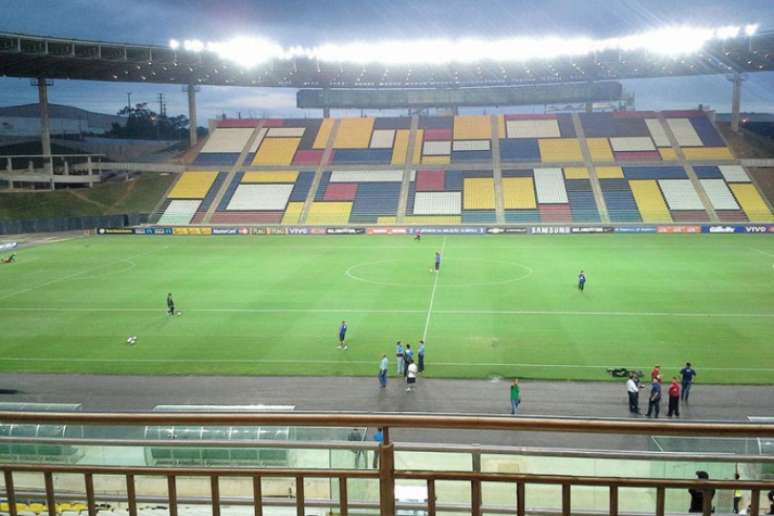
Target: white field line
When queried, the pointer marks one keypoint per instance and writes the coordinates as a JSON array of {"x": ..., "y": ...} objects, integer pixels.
[
  {"x": 75, "y": 275},
  {"x": 432, "y": 294},
  {"x": 762, "y": 252},
  {"x": 305, "y": 362},
  {"x": 548, "y": 313}
]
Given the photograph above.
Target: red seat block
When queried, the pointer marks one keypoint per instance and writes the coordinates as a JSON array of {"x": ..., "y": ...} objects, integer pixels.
[
  {"x": 340, "y": 192},
  {"x": 555, "y": 213},
  {"x": 430, "y": 181}
]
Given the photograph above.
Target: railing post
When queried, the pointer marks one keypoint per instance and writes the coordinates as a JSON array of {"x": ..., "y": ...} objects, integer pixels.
[
  {"x": 660, "y": 501},
  {"x": 343, "y": 498},
  {"x": 613, "y": 501},
  {"x": 131, "y": 495},
  {"x": 299, "y": 496},
  {"x": 387, "y": 475},
  {"x": 257, "y": 496},
  {"x": 755, "y": 501},
  {"x": 88, "y": 479},
  {"x": 10, "y": 493},
  {"x": 520, "y": 499},
  {"x": 50, "y": 499},
  {"x": 172, "y": 494},
  {"x": 566, "y": 500},
  {"x": 215, "y": 490},
  {"x": 475, "y": 485},
  {"x": 430, "y": 497}
]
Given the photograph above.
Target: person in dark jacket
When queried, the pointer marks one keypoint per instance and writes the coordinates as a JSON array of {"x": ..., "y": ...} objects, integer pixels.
[
  {"x": 697, "y": 495},
  {"x": 654, "y": 401}
]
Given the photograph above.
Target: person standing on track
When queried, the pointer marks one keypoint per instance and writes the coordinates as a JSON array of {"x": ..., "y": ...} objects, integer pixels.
[
  {"x": 437, "y": 261},
  {"x": 421, "y": 356},
  {"x": 515, "y": 396},
  {"x": 342, "y": 335},
  {"x": 687, "y": 373},
  {"x": 411, "y": 376},
  {"x": 633, "y": 391},
  {"x": 408, "y": 358},
  {"x": 581, "y": 280},
  {"x": 383, "y": 365},
  {"x": 674, "y": 398},
  {"x": 654, "y": 401},
  {"x": 399, "y": 358}
]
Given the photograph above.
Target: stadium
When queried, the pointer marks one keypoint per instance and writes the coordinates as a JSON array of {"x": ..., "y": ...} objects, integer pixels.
[{"x": 440, "y": 270}]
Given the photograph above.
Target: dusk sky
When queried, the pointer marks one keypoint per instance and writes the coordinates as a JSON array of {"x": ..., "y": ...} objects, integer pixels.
[{"x": 313, "y": 22}]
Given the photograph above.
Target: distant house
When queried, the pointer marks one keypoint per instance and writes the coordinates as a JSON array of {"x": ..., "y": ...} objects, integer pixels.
[{"x": 24, "y": 120}]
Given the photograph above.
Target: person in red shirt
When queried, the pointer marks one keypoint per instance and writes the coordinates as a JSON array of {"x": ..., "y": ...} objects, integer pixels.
[
  {"x": 674, "y": 398},
  {"x": 655, "y": 373}
]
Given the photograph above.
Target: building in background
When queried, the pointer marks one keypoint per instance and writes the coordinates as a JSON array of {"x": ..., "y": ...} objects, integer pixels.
[{"x": 24, "y": 121}]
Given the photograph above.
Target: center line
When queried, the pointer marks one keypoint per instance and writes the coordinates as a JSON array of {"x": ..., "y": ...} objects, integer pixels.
[{"x": 432, "y": 295}]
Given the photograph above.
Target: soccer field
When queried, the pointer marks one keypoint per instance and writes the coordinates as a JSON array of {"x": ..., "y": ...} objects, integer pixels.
[{"x": 500, "y": 306}]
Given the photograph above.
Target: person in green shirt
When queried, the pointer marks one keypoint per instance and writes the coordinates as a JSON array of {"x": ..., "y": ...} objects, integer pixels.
[{"x": 515, "y": 396}]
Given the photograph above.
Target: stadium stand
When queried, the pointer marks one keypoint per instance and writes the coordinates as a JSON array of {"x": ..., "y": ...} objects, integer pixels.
[{"x": 455, "y": 183}]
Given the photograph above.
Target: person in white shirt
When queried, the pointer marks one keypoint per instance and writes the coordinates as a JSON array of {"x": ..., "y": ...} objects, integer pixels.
[
  {"x": 633, "y": 388},
  {"x": 411, "y": 376}
]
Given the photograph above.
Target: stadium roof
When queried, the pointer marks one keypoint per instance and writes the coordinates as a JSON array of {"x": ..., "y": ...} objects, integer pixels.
[{"x": 56, "y": 58}]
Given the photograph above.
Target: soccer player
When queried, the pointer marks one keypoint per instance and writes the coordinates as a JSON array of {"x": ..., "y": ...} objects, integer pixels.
[
  {"x": 437, "y": 261},
  {"x": 418, "y": 236},
  {"x": 170, "y": 304},
  {"x": 342, "y": 335},
  {"x": 581, "y": 280},
  {"x": 10, "y": 259}
]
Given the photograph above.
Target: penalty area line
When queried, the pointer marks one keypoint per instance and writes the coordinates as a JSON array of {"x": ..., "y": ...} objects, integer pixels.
[{"x": 432, "y": 294}]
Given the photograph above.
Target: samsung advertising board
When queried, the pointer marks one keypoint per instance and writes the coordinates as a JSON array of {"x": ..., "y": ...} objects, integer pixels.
[{"x": 549, "y": 230}]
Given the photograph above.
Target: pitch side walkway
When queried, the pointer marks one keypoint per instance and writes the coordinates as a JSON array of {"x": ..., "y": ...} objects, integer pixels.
[{"x": 540, "y": 398}]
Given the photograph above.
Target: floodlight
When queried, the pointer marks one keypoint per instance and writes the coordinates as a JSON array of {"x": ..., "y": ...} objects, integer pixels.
[
  {"x": 750, "y": 29},
  {"x": 174, "y": 44}
]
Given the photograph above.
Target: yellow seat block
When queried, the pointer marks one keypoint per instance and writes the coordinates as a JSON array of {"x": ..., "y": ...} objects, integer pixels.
[
  {"x": 501, "y": 127},
  {"x": 609, "y": 172},
  {"x": 417, "y": 157},
  {"x": 37, "y": 508},
  {"x": 354, "y": 133},
  {"x": 576, "y": 173},
  {"x": 600, "y": 150},
  {"x": 193, "y": 185},
  {"x": 329, "y": 213},
  {"x": 283, "y": 176},
  {"x": 708, "y": 153},
  {"x": 276, "y": 151},
  {"x": 292, "y": 213},
  {"x": 751, "y": 202},
  {"x": 400, "y": 147},
  {"x": 433, "y": 219},
  {"x": 472, "y": 127},
  {"x": 321, "y": 140},
  {"x": 559, "y": 149},
  {"x": 436, "y": 160},
  {"x": 386, "y": 220},
  {"x": 519, "y": 193},
  {"x": 479, "y": 193},
  {"x": 649, "y": 201},
  {"x": 668, "y": 154}
]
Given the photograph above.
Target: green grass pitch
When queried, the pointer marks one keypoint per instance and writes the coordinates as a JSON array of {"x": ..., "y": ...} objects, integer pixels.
[{"x": 501, "y": 305}]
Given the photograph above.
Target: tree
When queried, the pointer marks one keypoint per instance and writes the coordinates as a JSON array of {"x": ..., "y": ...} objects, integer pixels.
[{"x": 143, "y": 123}]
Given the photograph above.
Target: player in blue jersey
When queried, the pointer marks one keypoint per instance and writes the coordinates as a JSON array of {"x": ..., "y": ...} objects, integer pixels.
[
  {"x": 581, "y": 280},
  {"x": 437, "y": 261},
  {"x": 342, "y": 335}
]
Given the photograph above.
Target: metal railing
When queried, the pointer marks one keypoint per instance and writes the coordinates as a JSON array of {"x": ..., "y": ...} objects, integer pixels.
[{"x": 386, "y": 473}]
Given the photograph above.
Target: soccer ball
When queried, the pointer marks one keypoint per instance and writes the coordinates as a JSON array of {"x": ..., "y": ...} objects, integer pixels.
[{"x": 131, "y": 340}]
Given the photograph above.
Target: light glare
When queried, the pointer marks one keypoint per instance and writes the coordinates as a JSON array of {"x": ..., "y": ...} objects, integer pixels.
[{"x": 668, "y": 42}]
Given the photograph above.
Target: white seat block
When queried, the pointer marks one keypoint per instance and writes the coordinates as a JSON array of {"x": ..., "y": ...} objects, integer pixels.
[
  {"x": 471, "y": 145},
  {"x": 260, "y": 197},
  {"x": 657, "y": 132},
  {"x": 719, "y": 195},
  {"x": 642, "y": 143},
  {"x": 437, "y": 148},
  {"x": 549, "y": 184},
  {"x": 382, "y": 139},
  {"x": 680, "y": 194},
  {"x": 228, "y": 139},
  {"x": 438, "y": 203},
  {"x": 532, "y": 129},
  {"x": 734, "y": 173}
]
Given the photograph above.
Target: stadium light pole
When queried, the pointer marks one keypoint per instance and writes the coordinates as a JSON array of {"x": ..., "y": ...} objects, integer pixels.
[
  {"x": 192, "y": 136},
  {"x": 736, "y": 99},
  {"x": 45, "y": 133}
]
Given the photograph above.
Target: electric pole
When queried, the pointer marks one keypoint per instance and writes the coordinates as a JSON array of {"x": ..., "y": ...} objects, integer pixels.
[{"x": 129, "y": 99}]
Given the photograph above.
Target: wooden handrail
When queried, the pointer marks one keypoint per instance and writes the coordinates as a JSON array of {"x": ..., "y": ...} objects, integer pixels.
[{"x": 707, "y": 429}]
